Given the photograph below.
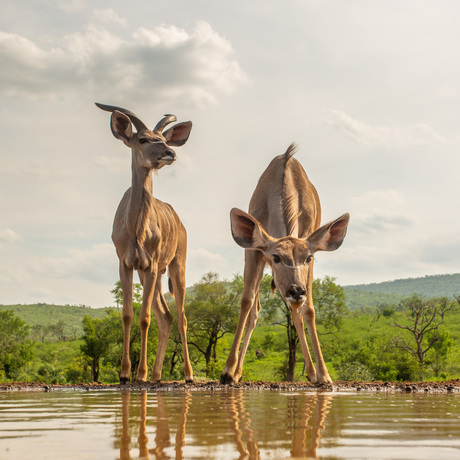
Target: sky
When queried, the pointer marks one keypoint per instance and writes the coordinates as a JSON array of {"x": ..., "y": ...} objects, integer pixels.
[{"x": 369, "y": 90}]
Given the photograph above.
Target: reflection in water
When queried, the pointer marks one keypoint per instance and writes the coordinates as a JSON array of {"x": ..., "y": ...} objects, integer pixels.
[
  {"x": 244, "y": 424},
  {"x": 302, "y": 422},
  {"x": 240, "y": 423},
  {"x": 162, "y": 433},
  {"x": 306, "y": 437}
]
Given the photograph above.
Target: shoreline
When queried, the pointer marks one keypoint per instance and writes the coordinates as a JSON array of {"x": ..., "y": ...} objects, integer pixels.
[{"x": 448, "y": 386}]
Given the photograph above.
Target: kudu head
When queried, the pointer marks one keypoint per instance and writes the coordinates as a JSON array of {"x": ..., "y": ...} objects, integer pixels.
[
  {"x": 290, "y": 258},
  {"x": 152, "y": 149}
]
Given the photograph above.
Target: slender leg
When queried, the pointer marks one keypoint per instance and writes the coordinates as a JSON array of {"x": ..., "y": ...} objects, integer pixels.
[
  {"x": 148, "y": 280},
  {"x": 164, "y": 319},
  {"x": 308, "y": 312},
  {"x": 250, "y": 325},
  {"x": 126, "y": 278},
  {"x": 177, "y": 274},
  {"x": 253, "y": 272},
  {"x": 322, "y": 375},
  {"x": 299, "y": 327}
]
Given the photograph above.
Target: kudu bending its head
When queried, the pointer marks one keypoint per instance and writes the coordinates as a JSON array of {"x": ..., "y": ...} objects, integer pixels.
[
  {"x": 282, "y": 229},
  {"x": 149, "y": 237}
]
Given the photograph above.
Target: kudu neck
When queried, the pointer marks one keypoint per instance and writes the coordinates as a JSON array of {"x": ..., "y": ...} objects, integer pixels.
[{"x": 141, "y": 178}]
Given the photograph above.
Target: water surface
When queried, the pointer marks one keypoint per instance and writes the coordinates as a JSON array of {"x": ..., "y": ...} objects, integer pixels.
[{"x": 234, "y": 424}]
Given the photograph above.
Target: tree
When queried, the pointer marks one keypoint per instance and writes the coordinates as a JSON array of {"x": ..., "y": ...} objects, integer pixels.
[
  {"x": 423, "y": 320},
  {"x": 330, "y": 309},
  {"x": 212, "y": 312},
  {"x": 330, "y": 306},
  {"x": 15, "y": 346},
  {"x": 95, "y": 344},
  {"x": 57, "y": 329}
]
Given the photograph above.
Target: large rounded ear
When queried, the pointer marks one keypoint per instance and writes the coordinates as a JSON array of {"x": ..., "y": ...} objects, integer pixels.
[
  {"x": 247, "y": 232},
  {"x": 330, "y": 236},
  {"x": 178, "y": 134},
  {"x": 121, "y": 126}
]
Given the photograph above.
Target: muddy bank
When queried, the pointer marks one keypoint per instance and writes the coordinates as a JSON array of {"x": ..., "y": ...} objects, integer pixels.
[{"x": 449, "y": 386}]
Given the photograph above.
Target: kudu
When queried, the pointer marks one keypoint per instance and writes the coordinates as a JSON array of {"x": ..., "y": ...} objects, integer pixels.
[
  {"x": 283, "y": 230},
  {"x": 149, "y": 237}
]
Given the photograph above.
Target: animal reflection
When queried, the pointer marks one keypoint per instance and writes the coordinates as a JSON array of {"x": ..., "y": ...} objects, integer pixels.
[
  {"x": 162, "y": 433},
  {"x": 254, "y": 428},
  {"x": 306, "y": 436},
  {"x": 240, "y": 422},
  {"x": 301, "y": 424}
]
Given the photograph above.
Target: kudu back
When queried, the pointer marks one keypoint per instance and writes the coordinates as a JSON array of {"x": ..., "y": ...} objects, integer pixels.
[
  {"x": 149, "y": 237},
  {"x": 282, "y": 229}
]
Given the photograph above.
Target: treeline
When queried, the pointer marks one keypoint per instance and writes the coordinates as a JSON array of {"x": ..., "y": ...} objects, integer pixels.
[
  {"x": 427, "y": 287},
  {"x": 412, "y": 339}
]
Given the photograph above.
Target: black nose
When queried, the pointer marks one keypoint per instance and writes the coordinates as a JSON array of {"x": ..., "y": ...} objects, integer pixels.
[
  {"x": 171, "y": 153},
  {"x": 295, "y": 292}
]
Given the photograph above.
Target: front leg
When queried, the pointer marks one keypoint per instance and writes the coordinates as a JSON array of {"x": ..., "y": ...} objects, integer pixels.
[
  {"x": 148, "y": 279},
  {"x": 299, "y": 327},
  {"x": 322, "y": 375},
  {"x": 126, "y": 279},
  {"x": 253, "y": 272}
]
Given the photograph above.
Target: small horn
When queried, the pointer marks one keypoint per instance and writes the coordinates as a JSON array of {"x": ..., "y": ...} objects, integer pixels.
[
  {"x": 137, "y": 122},
  {"x": 168, "y": 118}
]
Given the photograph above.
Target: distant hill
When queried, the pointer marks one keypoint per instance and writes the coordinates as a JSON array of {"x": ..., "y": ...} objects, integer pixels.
[
  {"x": 362, "y": 295},
  {"x": 46, "y": 314},
  {"x": 357, "y": 296}
]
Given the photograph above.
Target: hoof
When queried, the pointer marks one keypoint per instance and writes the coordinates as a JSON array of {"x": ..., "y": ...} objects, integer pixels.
[
  {"x": 189, "y": 381},
  {"x": 226, "y": 379},
  {"x": 124, "y": 380}
]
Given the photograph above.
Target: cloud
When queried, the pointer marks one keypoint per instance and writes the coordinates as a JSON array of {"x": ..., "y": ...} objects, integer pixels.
[
  {"x": 163, "y": 63},
  {"x": 108, "y": 15},
  {"x": 398, "y": 137},
  {"x": 380, "y": 211},
  {"x": 70, "y": 5},
  {"x": 200, "y": 261},
  {"x": 8, "y": 236},
  {"x": 96, "y": 264}
]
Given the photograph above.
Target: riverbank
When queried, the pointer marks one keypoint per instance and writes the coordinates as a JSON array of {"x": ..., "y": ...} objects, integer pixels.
[{"x": 449, "y": 386}]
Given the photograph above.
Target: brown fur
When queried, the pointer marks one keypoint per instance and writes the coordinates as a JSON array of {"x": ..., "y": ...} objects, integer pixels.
[
  {"x": 149, "y": 236},
  {"x": 282, "y": 230}
]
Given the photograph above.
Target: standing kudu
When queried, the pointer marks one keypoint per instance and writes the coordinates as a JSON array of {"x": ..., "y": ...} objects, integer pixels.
[
  {"x": 283, "y": 230},
  {"x": 149, "y": 237}
]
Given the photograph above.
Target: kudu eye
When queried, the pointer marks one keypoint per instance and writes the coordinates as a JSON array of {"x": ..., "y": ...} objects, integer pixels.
[
  {"x": 276, "y": 258},
  {"x": 309, "y": 259},
  {"x": 143, "y": 140}
]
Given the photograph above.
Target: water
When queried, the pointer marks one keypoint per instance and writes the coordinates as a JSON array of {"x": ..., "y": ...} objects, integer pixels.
[{"x": 238, "y": 424}]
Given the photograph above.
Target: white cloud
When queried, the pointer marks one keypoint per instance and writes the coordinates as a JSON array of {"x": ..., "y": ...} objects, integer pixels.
[
  {"x": 70, "y": 5},
  {"x": 96, "y": 264},
  {"x": 200, "y": 261},
  {"x": 108, "y": 15},
  {"x": 362, "y": 133},
  {"x": 8, "y": 236},
  {"x": 380, "y": 211},
  {"x": 193, "y": 68}
]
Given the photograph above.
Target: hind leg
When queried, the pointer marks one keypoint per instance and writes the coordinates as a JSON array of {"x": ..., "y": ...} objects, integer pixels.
[{"x": 177, "y": 277}]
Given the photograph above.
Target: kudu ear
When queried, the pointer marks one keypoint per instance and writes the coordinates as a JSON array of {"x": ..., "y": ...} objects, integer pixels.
[
  {"x": 121, "y": 126},
  {"x": 178, "y": 134},
  {"x": 246, "y": 231},
  {"x": 330, "y": 236}
]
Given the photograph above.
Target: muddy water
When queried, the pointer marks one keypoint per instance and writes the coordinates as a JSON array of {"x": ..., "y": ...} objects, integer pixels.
[{"x": 238, "y": 424}]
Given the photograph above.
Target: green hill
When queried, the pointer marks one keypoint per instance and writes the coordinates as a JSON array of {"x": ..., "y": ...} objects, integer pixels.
[
  {"x": 362, "y": 295},
  {"x": 357, "y": 296},
  {"x": 45, "y": 315}
]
